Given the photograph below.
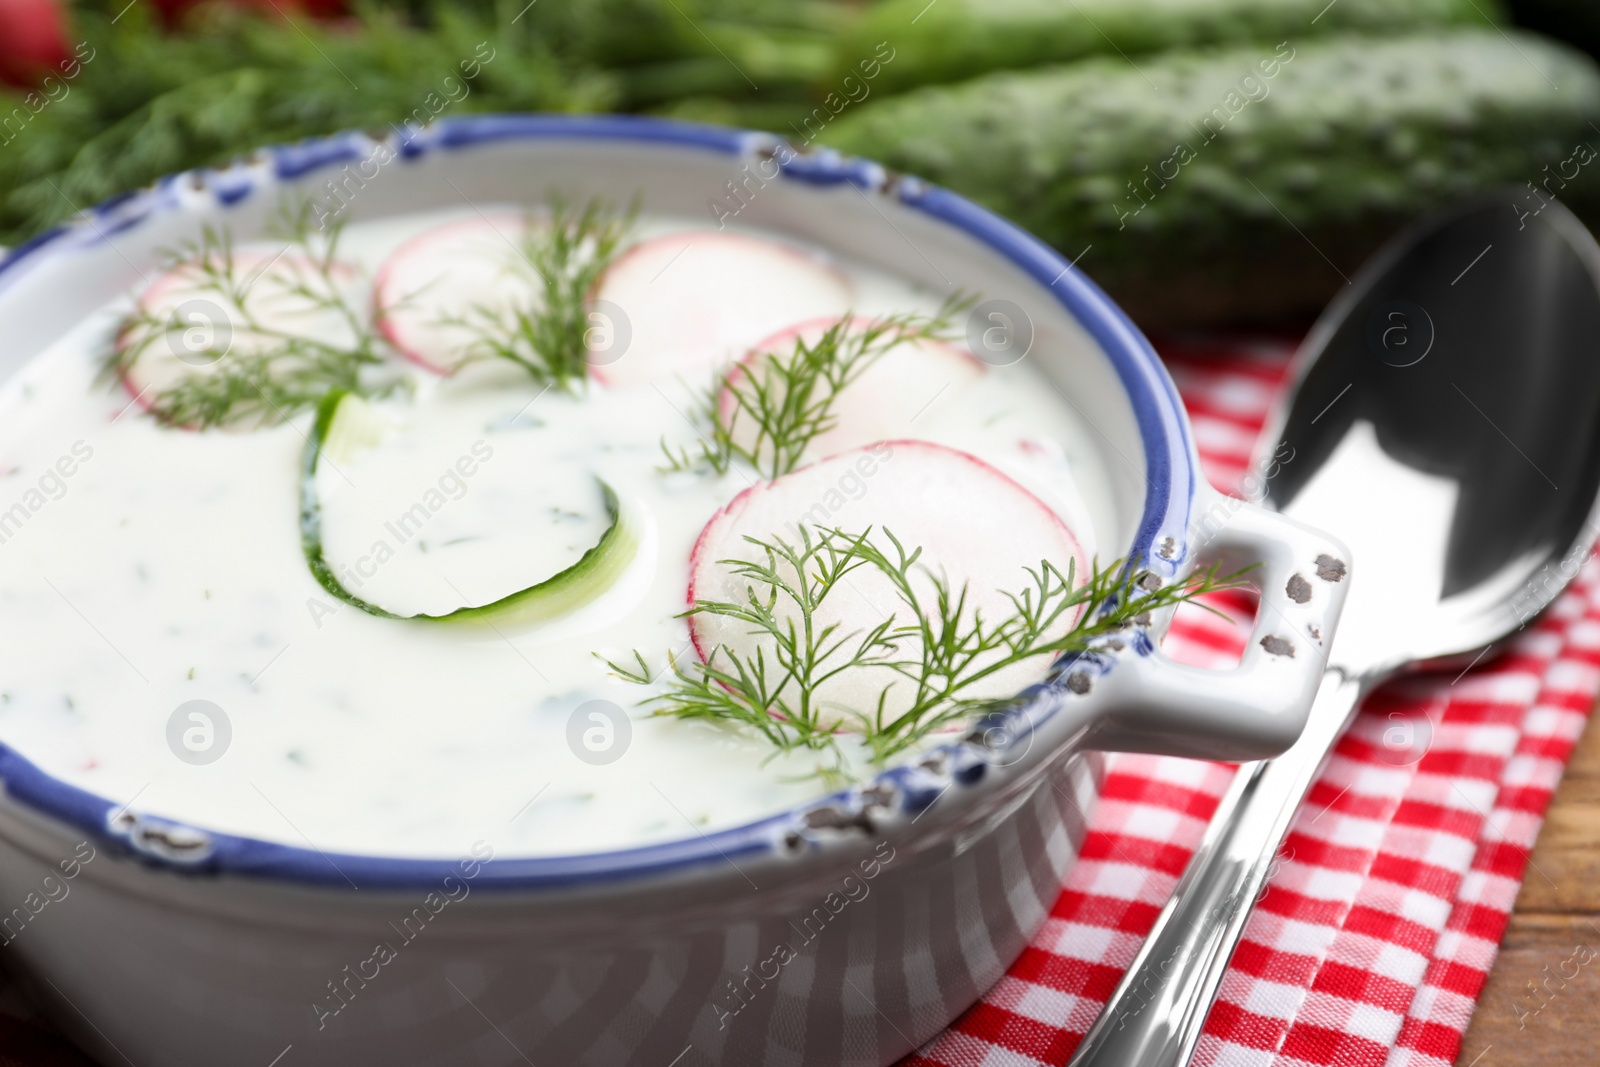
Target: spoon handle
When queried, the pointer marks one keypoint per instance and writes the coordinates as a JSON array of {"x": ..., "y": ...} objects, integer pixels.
[{"x": 1155, "y": 1017}]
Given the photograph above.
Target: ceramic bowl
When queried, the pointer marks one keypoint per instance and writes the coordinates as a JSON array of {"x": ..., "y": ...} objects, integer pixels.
[{"x": 843, "y": 933}]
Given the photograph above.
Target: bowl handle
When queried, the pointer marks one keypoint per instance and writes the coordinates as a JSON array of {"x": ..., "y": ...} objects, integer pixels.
[{"x": 1255, "y": 710}]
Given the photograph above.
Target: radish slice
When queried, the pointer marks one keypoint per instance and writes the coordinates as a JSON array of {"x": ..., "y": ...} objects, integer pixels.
[
  {"x": 448, "y": 273},
  {"x": 696, "y": 300},
  {"x": 898, "y": 387},
  {"x": 973, "y": 523},
  {"x": 185, "y": 326}
]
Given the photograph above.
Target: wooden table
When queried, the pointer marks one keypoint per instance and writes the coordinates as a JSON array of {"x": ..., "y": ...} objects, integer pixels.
[{"x": 1557, "y": 911}]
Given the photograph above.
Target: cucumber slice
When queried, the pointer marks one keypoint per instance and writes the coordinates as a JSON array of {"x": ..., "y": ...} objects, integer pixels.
[{"x": 344, "y": 423}]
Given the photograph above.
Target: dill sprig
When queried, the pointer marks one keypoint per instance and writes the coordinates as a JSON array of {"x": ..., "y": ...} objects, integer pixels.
[
  {"x": 937, "y": 646},
  {"x": 788, "y": 397},
  {"x": 248, "y": 370},
  {"x": 560, "y": 258}
]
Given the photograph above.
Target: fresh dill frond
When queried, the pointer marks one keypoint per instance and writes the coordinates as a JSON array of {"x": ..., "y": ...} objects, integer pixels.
[
  {"x": 147, "y": 101},
  {"x": 560, "y": 258},
  {"x": 235, "y": 366},
  {"x": 768, "y": 409},
  {"x": 935, "y": 649}
]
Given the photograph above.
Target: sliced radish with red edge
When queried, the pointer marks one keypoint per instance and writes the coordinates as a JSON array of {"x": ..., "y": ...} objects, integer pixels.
[
  {"x": 186, "y": 326},
  {"x": 974, "y": 524},
  {"x": 896, "y": 390},
  {"x": 694, "y": 301},
  {"x": 431, "y": 288}
]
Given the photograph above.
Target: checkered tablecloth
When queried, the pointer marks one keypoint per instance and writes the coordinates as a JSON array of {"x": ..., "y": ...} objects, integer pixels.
[{"x": 1396, "y": 882}]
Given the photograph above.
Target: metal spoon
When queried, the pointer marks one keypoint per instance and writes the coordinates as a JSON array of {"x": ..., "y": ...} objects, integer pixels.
[{"x": 1445, "y": 424}]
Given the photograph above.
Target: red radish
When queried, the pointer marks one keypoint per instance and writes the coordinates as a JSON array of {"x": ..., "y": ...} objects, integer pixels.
[
  {"x": 974, "y": 524},
  {"x": 461, "y": 270},
  {"x": 897, "y": 388},
  {"x": 696, "y": 300},
  {"x": 185, "y": 326},
  {"x": 33, "y": 41}
]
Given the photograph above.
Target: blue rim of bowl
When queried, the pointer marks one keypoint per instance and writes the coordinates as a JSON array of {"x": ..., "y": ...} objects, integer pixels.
[{"x": 1170, "y": 472}]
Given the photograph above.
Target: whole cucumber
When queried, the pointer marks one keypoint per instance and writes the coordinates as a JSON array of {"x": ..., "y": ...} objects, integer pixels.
[
  {"x": 1245, "y": 185},
  {"x": 951, "y": 40}
]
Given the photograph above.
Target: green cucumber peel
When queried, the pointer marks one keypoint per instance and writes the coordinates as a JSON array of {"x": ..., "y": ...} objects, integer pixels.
[{"x": 594, "y": 572}]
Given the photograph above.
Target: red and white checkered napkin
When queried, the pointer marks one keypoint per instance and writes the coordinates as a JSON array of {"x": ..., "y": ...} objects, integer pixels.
[{"x": 1382, "y": 920}]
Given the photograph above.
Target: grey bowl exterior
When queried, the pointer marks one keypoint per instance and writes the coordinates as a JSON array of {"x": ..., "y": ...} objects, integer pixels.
[
  {"x": 846, "y": 932},
  {"x": 782, "y": 960}
]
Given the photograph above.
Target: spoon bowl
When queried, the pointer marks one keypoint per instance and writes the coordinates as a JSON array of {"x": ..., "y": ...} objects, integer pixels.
[{"x": 1444, "y": 422}]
